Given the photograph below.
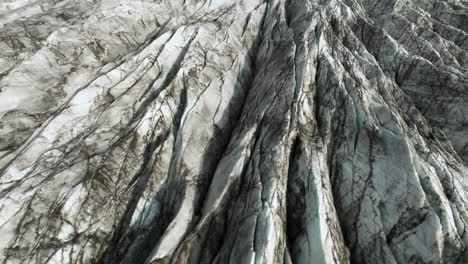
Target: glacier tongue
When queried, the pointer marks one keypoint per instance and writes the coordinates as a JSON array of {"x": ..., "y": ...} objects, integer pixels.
[{"x": 221, "y": 131}]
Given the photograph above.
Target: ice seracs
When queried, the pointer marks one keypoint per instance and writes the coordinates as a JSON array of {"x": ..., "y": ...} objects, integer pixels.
[{"x": 220, "y": 131}]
